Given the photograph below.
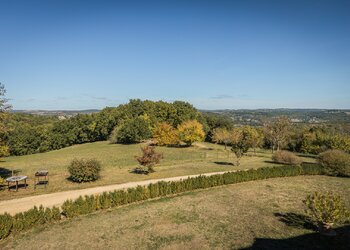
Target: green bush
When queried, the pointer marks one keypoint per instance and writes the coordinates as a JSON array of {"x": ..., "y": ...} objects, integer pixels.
[
  {"x": 286, "y": 157},
  {"x": 326, "y": 209},
  {"x": 335, "y": 162},
  {"x": 84, "y": 170}
]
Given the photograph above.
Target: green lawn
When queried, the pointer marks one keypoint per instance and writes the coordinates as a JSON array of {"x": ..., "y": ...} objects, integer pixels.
[
  {"x": 117, "y": 161},
  {"x": 266, "y": 214}
]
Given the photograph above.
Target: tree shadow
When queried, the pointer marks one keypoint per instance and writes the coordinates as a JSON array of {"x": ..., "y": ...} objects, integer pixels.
[
  {"x": 20, "y": 186},
  {"x": 224, "y": 163},
  {"x": 5, "y": 173},
  {"x": 296, "y": 220},
  {"x": 306, "y": 241},
  {"x": 138, "y": 170}
]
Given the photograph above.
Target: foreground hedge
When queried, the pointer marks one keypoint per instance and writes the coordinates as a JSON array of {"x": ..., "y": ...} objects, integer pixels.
[
  {"x": 89, "y": 204},
  {"x": 22, "y": 221}
]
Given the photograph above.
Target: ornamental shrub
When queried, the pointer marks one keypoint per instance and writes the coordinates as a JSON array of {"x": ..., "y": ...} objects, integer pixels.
[
  {"x": 84, "y": 170},
  {"x": 148, "y": 159},
  {"x": 286, "y": 157},
  {"x": 335, "y": 162},
  {"x": 326, "y": 209}
]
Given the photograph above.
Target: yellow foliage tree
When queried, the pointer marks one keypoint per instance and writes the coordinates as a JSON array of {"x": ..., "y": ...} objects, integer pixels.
[
  {"x": 221, "y": 135},
  {"x": 191, "y": 131},
  {"x": 164, "y": 134}
]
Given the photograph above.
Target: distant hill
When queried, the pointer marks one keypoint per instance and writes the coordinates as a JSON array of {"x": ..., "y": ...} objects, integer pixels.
[
  {"x": 59, "y": 113},
  {"x": 310, "y": 116}
]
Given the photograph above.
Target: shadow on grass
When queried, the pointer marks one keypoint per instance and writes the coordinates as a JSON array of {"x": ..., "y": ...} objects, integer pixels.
[
  {"x": 13, "y": 186},
  {"x": 306, "y": 241},
  {"x": 224, "y": 163},
  {"x": 296, "y": 220},
  {"x": 5, "y": 173}
]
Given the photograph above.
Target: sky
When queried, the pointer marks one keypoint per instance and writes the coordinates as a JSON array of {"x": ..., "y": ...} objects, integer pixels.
[{"x": 213, "y": 54}]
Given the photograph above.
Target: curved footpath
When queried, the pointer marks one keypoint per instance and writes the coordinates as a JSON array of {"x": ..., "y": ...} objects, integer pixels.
[{"x": 56, "y": 199}]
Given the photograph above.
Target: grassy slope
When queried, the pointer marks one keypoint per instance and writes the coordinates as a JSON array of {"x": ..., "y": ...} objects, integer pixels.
[
  {"x": 118, "y": 160},
  {"x": 227, "y": 217}
]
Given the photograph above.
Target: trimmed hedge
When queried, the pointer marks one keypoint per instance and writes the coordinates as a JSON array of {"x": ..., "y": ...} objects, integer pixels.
[
  {"x": 89, "y": 204},
  {"x": 22, "y": 221}
]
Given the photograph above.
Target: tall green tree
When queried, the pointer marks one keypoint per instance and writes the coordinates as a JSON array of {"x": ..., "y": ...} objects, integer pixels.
[{"x": 4, "y": 108}]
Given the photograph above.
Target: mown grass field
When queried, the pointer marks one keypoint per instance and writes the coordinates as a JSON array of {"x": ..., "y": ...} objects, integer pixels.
[
  {"x": 265, "y": 214},
  {"x": 117, "y": 161}
]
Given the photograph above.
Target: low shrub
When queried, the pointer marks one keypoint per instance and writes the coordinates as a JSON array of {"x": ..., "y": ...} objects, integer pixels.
[
  {"x": 326, "y": 209},
  {"x": 335, "y": 162},
  {"x": 286, "y": 157},
  {"x": 148, "y": 159},
  {"x": 84, "y": 170}
]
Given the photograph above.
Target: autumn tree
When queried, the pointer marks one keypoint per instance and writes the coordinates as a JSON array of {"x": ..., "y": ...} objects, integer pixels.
[
  {"x": 252, "y": 136},
  {"x": 239, "y": 143},
  {"x": 4, "y": 108},
  {"x": 148, "y": 159},
  {"x": 165, "y": 134},
  {"x": 191, "y": 131},
  {"x": 221, "y": 135},
  {"x": 277, "y": 132}
]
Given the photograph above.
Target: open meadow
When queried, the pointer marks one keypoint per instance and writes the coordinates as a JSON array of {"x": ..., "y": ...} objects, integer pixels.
[
  {"x": 267, "y": 214},
  {"x": 118, "y": 160}
]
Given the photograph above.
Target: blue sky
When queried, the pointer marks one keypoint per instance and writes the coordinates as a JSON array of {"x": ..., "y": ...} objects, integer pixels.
[{"x": 214, "y": 54}]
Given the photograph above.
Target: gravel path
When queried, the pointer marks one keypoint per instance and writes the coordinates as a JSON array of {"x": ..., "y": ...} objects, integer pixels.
[{"x": 57, "y": 199}]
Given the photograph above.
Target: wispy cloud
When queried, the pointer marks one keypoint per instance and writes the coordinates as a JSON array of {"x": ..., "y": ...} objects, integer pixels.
[
  {"x": 222, "y": 96},
  {"x": 225, "y": 96}
]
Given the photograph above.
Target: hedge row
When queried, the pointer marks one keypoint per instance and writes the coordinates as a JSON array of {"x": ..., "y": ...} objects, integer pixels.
[
  {"x": 88, "y": 204},
  {"x": 22, "y": 221}
]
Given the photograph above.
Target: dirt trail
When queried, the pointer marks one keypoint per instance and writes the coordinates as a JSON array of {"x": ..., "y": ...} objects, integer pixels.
[{"x": 56, "y": 199}]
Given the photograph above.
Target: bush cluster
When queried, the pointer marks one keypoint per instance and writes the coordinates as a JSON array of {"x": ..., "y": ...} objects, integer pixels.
[
  {"x": 22, "y": 221},
  {"x": 89, "y": 204},
  {"x": 335, "y": 162},
  {"x": 286, "y": 157},
  {"x": 84, "y": 170}
]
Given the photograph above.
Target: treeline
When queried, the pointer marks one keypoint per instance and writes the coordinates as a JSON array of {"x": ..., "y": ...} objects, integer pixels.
[
  {"x": 168, "y": 124},
  {"x": 29, "y": 134}
]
